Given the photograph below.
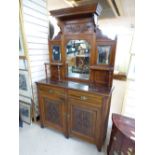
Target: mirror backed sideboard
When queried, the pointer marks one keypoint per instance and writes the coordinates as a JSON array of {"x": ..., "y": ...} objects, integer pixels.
[{"x": 76, "y": 98}]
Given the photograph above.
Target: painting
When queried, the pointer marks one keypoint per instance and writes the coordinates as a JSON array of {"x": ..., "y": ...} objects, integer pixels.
[
  {"x": 21, "y": 47},
  {"x": 24, "y": 84},
  {"x": 56, "y": 53},
  {"x": 25, "y": 112},
  {"x": 103, "y": 54}
]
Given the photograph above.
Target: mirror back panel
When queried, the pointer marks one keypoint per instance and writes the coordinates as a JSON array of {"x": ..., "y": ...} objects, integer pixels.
[
  {"x": 78, "y": 59},
  {"x": 85, "y": 54}
]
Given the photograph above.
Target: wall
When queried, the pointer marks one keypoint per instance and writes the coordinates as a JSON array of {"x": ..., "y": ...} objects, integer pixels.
[
  {"x": 117, "y": 98},
  {"x": 122, "y": 28},
  {"x": 35, "y": 16}
]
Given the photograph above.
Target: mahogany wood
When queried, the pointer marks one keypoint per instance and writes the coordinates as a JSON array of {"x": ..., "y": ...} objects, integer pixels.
[
  {"x": 74, "y": 106},
  {"x": 76, "y": 109},
  {"x": 122, "y": 136},
  {"x": 80, "y": 10}
]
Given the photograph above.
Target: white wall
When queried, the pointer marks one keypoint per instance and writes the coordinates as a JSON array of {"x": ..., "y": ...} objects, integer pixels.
[
  {"x": 35, "y": 16},
  {"x": 129, "y": 104},
  {"x": 116, "y": 104},
  {"x": 122, "y": 28},
  {"x": 117, "y": 98}
]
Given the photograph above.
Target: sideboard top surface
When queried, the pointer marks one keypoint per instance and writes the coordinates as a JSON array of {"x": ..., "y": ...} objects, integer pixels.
[{"x": 102, "y": 90}]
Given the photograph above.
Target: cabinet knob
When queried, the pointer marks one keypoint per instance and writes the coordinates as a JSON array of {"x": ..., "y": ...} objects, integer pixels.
[{"x": 83, "y": 98}]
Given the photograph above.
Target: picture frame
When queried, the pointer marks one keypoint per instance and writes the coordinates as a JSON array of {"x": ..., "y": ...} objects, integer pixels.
[
  {"x": 23, "y": 64},
  {"x": 21, "y": 46},
  {"x": 103, "y": 54},
  {"x": 56, "y": 53},
  {"x": 25, "y": 112},
  {"x": 24, "y": 84}
]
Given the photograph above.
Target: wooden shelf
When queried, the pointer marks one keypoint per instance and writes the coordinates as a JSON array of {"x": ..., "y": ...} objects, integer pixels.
[
  {"x": 54, "y": 64},
  {"x": 97, "y": 67},
  {"x": 22, "y": 57},
  {"x": 120, "y": 76}
]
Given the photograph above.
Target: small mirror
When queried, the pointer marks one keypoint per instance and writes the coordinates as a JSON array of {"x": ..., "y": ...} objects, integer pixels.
[
  {"x": 77, "y": 59},
  {"x": 56, "y": 54},
  {"x": 103, "y": 54}
]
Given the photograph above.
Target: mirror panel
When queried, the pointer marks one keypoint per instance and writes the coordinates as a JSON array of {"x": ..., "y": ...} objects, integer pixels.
[
  {"x": 103, "y": 56},
  {"x": 56, "y": 53},
  {"x": 78, "y": 59}
]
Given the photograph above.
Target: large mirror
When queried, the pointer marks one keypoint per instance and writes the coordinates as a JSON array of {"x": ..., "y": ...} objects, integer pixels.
[{"x": 78, "y": 59}]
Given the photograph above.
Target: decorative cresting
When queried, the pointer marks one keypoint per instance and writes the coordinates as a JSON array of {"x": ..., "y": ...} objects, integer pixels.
[
  {"x": 52, "y": 111},
  {"x": 89, "y": 12},
  {"x": 79, "y": 28}
]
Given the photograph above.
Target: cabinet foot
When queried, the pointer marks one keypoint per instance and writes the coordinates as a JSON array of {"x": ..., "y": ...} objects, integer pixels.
[
  {"x": 42, "y": 126},
  {"x": 67, "y": 136},
  {"x": 99, "y": 148}
]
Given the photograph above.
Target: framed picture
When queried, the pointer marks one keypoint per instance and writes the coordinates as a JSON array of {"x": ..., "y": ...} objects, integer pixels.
[
  {"x": 56, "y": 53},
  {"x": 103, "y": 54},
  {"x": 23, "y": 65},
  {"x": 25, "y": 112},
  {"x": 21, "y": 47},
  {"x": 24, "y": 84}
]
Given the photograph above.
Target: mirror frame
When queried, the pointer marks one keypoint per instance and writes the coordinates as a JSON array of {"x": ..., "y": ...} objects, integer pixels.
[
  {"x": 53, "y": 53},
  {"x": 109, "y": 53},
  {"x": 90, "y": 42},
  {"x": 77, "y": 56},
  {"x": 106, "y": 43}
]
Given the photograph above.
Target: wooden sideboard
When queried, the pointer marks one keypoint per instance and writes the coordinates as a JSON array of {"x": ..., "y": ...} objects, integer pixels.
[
  {"x": 122, "y": 140},
  {"x": 76, "y": 98},
  {"x": 76, "y": 109}
]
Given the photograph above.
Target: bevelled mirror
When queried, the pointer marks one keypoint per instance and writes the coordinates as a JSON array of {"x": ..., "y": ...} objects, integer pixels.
[
  {"x": 103, "y": 56},
  {"x": 78, "y": 59},
  {"x": 56, "y": 53}
]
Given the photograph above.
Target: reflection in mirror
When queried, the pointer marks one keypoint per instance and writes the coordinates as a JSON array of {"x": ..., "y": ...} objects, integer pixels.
[
  {"x": 56, "y": 53},
  {"x": 77, "y": 57},
  {"x": 103, "y": 54}
]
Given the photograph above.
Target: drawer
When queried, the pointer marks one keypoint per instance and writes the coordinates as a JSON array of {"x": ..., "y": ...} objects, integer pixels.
[
  {"x": 87, "y": 97},
  {"x": 52, "y": 90}
]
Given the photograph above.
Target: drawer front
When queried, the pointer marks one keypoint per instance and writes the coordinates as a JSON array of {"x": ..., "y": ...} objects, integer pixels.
[
  {"x": 50, "y": 90},
  {"x": 87, "y": 97}
]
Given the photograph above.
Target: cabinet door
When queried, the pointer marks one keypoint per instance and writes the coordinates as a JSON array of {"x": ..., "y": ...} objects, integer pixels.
[
  {"x": 53, "y": 112},
  {"x": 82, "y": 120}
]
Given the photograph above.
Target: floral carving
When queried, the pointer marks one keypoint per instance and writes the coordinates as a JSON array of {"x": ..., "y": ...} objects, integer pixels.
[
  {"x": 83, "y": 121},
  {"x": 52, "y": 112},
  {"x": 79, "y": 28}
]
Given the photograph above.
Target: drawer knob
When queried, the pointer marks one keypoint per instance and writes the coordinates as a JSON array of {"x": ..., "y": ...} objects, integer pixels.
[{"x": 83, "y": 98}]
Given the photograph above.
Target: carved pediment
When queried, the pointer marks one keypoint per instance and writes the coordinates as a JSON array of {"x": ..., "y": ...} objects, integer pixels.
[{"x": 79, "y": 28}]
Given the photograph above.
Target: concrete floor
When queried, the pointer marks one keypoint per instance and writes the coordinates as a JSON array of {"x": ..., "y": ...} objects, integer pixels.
[{"x": 33, "y": 140}]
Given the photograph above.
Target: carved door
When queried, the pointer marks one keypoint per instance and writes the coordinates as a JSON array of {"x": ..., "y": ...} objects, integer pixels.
[
  {"x": 82, "y": 120},
  {"x": 53, "y": 112}
]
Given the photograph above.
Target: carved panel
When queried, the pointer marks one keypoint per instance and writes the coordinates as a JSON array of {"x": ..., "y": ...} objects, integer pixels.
[
  {"x": 79, "y": 28},
  {"x": 83, "y": 121},
  {"x": 52, "y": 111}
]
